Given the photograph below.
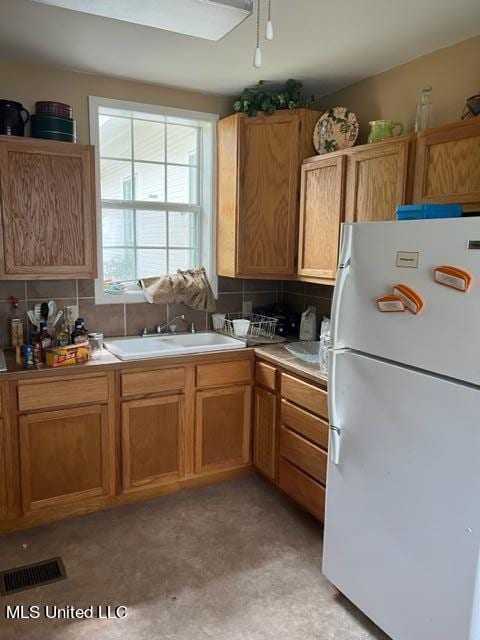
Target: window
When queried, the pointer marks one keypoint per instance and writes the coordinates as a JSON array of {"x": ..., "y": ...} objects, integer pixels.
[{"x": 155, "y": 170}]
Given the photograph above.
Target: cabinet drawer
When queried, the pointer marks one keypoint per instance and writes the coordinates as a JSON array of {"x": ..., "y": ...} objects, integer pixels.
[
  {"x": 303, "y": 454},
  {"x": 305, "y": 395},
  {"x": 140, "y": 383},
  {"x": 224, "y": 373},
  {"x": 305, "y": 423},
  {"x": 302, "y": 488},
  {"x": 265, "y": 375},
  {"x": 62, "y": 393}
]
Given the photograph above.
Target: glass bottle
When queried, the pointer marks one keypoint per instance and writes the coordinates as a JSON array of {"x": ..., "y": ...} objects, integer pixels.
[
  {"x": 63, "y": 336},
  {"x": 79, "y": 334},
  {"x": 45, "y": 338},
  {"x": 68, "y": 317},
  {"x": 423, "y": 118},
  {"x": 37, "y": 348}
]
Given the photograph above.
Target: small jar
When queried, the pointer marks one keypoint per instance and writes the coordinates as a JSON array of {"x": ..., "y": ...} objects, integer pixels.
[{"x": 96, "y": 343}]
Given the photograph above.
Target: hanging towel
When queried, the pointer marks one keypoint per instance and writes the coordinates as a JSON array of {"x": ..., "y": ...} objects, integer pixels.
[{"x": 190, "y": 287}]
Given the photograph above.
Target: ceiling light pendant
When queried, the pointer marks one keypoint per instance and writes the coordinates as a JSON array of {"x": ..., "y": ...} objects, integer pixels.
[
  {"x": 269, "y": 25},
  {"x": 257, "y": 60}
]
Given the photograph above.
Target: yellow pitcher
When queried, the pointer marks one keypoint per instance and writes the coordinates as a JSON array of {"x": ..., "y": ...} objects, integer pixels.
[{"x": 383, "y": 129}]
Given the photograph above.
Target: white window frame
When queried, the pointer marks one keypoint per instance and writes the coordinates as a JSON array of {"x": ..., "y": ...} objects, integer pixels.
[{"x": 207, "y": 199}]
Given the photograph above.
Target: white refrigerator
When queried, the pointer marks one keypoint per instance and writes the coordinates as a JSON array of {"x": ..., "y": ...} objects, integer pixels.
[{"x": 402, "y": 525}]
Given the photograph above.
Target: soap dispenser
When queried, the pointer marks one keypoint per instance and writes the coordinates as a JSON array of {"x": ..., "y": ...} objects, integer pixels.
[{"x": 308, "y": 324}]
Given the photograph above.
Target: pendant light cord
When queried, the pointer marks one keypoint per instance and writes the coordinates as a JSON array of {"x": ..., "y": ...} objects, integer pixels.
[{"x": 258, "y": 23}]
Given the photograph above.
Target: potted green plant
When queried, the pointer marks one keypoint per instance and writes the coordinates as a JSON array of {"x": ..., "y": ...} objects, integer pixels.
[{"x": 270, "y": 98}]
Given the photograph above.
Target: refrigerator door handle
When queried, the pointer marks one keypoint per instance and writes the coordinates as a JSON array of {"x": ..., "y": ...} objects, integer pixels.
[
  {"x": 344, "y": 266},
  {"x": 334, "y": 444}
]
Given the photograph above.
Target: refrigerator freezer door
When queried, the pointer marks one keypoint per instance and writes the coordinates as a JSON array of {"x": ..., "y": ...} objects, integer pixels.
[
  {"x": 445, "y": 337},
  {"x": 402, "y": 526}
]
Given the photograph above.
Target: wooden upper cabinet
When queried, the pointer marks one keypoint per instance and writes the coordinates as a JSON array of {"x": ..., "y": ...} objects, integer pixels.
[
  {"x": 259, "y": 162},
  {"x": 376, "y": 180},
  {"x": 447, "y": 165},
  {"x": 47, "y": 208},
  {"x": 321, "y": 214}
]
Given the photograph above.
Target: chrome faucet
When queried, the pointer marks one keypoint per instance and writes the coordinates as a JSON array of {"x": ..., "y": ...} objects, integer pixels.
[{"x": 160, "y": 327}]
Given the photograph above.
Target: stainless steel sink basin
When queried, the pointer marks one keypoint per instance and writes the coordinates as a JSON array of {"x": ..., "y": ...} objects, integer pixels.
[{"x": 174, "y": 345}]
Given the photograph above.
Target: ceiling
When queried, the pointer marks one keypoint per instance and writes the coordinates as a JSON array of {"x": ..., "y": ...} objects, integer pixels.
[{"x": 327, "y": 44}]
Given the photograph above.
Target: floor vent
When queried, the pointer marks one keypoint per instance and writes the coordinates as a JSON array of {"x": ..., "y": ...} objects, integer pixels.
[{"x": 31, "y": 575}]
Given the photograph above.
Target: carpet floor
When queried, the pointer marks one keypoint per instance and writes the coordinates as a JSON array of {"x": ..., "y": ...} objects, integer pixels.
[{"x": 233, "y": 561}]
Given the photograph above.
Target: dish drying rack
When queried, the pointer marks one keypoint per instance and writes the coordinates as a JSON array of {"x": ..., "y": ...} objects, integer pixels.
[{"x": 260, "y": 326}]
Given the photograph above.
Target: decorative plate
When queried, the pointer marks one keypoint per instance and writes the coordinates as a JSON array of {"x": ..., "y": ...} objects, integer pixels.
[{"x": 336, "y": 129}]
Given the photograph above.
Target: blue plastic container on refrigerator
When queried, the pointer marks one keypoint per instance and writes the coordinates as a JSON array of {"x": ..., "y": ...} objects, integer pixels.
[{"x": 424, "y": 211}]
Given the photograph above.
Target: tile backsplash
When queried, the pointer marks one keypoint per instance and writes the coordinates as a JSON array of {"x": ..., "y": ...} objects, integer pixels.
[
  {"x": 300, "y": 295},
  {"x": 130, "y": 319}
]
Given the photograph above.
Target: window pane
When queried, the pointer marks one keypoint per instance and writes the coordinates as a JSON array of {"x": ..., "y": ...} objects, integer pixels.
[
  {"x": 118, "y": 264},
  {"x": 151, "y": 262},
  {"x": 181, "y": 144},
  {"x": 182, "y": 229},
  {"x": 116, "y": 179},
  {"x": 115, "y": 137},
  {"x": 149, "y": 140},
  {"x": 117, "y": 227},
  {"x": 151, "y": 228},
  {"x": 181, "y": 259},
  {"x": 149, "y": 182},
  {"x": 182, "y": 184}
]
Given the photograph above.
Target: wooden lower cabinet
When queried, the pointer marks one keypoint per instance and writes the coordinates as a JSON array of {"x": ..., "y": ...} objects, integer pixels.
[
  {"x": 222, "y": 428},
  {"x": 65, "y": 456},
  {"x": 264, "y": 431},
  {"x": 152, "y": 441},
  {"x": 291, "y": 438},
  {"x": 3, "y": 475},
  {"x": 302, "y": 488}
]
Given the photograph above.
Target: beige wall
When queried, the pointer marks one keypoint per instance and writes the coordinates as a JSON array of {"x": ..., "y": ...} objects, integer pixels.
[
  {"x": 454, "y": 74},
  {"x": 28, "y": 83}
]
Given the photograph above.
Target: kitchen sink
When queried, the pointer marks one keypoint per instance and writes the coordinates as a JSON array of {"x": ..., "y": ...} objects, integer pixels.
[{"x": 171, "y": 345}]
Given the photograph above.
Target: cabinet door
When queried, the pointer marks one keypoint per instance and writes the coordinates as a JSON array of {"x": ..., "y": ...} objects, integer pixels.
[
  {"x": 152, "y": 441},
  {"x": 269, "y": 172},
  {"x": 264, "y": 431},
  {"x": 3, "y": 474},
  {"x": 321, "y": 214},
  {"x": 376, "y": 180},
  {"x": 447, "y": 164},
  {"x": 66, "y": 456},
  {"x": 48, "y": 209},
  {"x": 222, "y": 428}
]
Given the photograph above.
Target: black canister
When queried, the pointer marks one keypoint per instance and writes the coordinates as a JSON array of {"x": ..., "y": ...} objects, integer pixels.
[{"x": 12, "y": 122}]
